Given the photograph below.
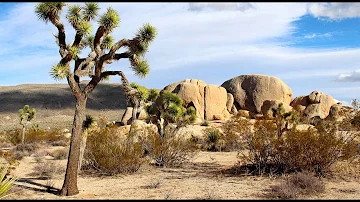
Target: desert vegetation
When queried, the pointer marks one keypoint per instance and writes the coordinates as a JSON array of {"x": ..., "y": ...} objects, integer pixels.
[{"x": 189, "y": 140}]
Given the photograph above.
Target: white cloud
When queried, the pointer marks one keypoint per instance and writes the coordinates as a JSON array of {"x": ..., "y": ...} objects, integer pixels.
[
  {"x": 314, "y": 35},
  {"x": 350, "y": 77},
  {"x": 220, "y": 6},
  {"x": 334, "y": 11}
]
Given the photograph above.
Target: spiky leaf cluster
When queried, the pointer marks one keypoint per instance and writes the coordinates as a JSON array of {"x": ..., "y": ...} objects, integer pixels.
[
  {"x": 49, "y": 11},
  {"x": 171, "y": 109},
  {"x": 59, "y": 72},
  {"x": 153, "y": 94},
  {"x": 5, "y": 183},
  {"x": 144, "y": 36},
  {"x": 107, "y": 42},
  {"x": 110, "y": 20},
  {"x": 26, "y": 114},
  {"x": 89, "y": 122},
  {"x": 143, "y": 91}
]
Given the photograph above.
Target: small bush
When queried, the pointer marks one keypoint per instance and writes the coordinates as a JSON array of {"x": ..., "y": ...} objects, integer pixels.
[
  {"x": 47, "y": 170},
  {"x": 22, "y": 150},
  {"x": 298, "y": 184},
  {"x": 154, "y": 183},
  {"x": 169, "y": 151},
  {"x": 39, "y": 155},
  {"x": 111, "y": 153},
  {"x": 60, "y": 154}
]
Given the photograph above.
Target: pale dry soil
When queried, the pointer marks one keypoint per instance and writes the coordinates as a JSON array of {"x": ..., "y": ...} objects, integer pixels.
[{"x": 203, "y": 178}]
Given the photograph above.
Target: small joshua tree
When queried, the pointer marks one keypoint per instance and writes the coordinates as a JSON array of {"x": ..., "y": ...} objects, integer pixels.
[
  {"x": 103, "y": 51},
  {"x": 26, "y": 115},
  {"x": 168, "y": 109}
]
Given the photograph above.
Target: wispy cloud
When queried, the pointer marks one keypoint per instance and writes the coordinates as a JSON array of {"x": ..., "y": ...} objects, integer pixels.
[
  {"x": 334, "y": 11},
  {"x": 315, "y": 35},
  {"x": 220, "y": 6},
  {"x": 350, "y": 77}
]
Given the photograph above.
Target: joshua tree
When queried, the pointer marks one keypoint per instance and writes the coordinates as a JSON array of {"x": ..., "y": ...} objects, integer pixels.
[
  {"x": 103, "y": 51},
  {"x": 168, "y": 109},
  {"x": 26, "y": 115},
  {"x": 283, "y": 119}
]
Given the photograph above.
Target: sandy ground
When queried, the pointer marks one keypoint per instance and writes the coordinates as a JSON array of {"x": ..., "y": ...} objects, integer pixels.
[{"x": 203, "y": 178}]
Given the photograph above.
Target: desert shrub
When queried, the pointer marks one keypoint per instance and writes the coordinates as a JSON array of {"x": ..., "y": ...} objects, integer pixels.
[
  {"x": 47, "y": 169},
  {"x": 213, "y": 139},
  {"x": 60, "y": 154},
  {"x": 111, "y": 153},
  {"x": 62, "y": 143},
  {"x": 39, "y": 155},
  {"x": 311, "y": 150},
  {"x": 13, "y": 136},
  {"x": 295, "y": 185},
  {"x": 34, "y": 135},
  {"x": 43, "y": 136},
  {"x": 8, "y": 158},
  {"x": 22, "y": 150},
  {"x": 170, "y": 150}
]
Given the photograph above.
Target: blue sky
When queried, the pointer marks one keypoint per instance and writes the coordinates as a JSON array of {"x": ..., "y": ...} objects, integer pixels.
[{"x": 310, "y": 46}]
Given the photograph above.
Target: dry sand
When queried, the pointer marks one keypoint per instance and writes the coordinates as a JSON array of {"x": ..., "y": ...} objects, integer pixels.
[{"x": 202, "y": 178}]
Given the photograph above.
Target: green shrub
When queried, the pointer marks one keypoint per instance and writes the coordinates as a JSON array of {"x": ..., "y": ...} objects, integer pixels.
[{"x": 112, "y": 153}]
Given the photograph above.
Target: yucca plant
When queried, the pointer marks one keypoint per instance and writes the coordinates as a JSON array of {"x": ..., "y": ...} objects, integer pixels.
[
  {"x": 5, "y": 183},
  {"x": 104, "y": 50}
]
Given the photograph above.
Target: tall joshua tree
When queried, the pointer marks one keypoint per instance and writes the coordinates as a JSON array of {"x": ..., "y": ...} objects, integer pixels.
[{"x": 103, "y": 51}]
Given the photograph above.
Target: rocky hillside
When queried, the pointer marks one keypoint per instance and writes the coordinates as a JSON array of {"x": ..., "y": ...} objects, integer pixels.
[{"x": 55, "y": 102}]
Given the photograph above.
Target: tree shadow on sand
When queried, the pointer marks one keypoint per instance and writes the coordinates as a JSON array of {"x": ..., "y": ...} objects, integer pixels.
[{"x": 44, "y": 188}]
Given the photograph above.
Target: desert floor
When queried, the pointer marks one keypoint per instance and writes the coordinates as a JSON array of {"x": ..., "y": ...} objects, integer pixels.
[{"x": 205, "y": 177}]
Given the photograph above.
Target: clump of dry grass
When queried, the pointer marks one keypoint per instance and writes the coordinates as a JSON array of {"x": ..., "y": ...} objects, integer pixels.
[
  {"x": 34, "y": 135},
  {"x": 60, "y": 154},
  {"x": 154, "y": 183},
  {"x": 47, "y": 170},
  {"x": 296, "y": 185},
  {"x": 39, "y": 155},
  {"x": 22, "y": 150},
  {"x": 62, "y": 143}
]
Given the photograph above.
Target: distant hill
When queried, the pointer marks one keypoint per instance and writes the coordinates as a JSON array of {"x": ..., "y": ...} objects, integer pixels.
[{"x": 53, "y": 102}]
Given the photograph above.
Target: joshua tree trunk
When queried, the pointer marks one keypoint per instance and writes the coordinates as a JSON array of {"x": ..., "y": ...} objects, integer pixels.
[
  {"x": 70, "y": 182},
  {"x": 23, "y": 134},
  {"x": 82, "y": 148}
]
